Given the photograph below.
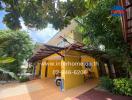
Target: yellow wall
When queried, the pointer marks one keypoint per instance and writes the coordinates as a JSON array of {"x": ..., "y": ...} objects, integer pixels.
[
  {"x": 53, "y": 62},
  {"x": 66, "y": 33},
  {"x": 52, "y": 68},
  {"x": 70, "y": 37},
  {"x": 37, "y": 69},
  {"x": 93, "y": 61},
  {"x": 78, "y": 37},
  {"x": 43, "y": 67},
  {"x": 72, "y": 79}
]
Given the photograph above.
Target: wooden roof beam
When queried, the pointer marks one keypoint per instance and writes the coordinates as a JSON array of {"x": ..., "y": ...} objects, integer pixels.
[
  {"x": 47, "y": 51},
  {"x": 49, "y": 46},
  {"x": 56, "y": 51},
  {"x": 42, "y": 54}
]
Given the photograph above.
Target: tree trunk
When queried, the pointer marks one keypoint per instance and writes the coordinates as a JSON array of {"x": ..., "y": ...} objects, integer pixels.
[{"x": 130, "y": 73}]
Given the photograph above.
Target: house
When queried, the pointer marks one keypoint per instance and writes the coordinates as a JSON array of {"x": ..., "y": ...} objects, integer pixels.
[
  {"x": 67, "y": 36},
  {"x": 65, "y": 54},
  {"x": 126, "y": 20}
]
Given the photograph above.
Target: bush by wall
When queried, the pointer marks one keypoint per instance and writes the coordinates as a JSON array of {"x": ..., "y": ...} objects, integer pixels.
[
  {"x": 23, "y": 79},
  {"x": 106, "y": 83},
  {"x": 122, "y": 86}
]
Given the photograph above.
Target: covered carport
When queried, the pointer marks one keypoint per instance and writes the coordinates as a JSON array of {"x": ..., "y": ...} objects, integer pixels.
[
  {"x": 51, "y": 59},
  {"x": 47, "y": 62}
]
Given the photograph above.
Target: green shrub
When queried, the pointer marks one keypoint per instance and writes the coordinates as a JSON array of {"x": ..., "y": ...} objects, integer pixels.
[
  {"x": 106, "y": 83},
  {"x": 23, "y": 79},
  {"x": 122, "y": 86}
]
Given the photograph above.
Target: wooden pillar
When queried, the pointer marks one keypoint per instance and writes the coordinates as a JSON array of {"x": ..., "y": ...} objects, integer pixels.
[{"x": 113, "y": 71}]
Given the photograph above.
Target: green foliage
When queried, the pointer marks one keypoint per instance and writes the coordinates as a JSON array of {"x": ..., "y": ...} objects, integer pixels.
[
  {"x": 9, "y": 73},
  {"x": 4, "y": 60},
  {"x": 106, "y": 83},
  {"x": 91, "y": 3},
  {"x": 15, "y": 44},
  {"x": 23, "y": 79},
  {"x": 38, "y": 13},
  {"x": 103, "y": 29},
  {"x": 123, "y": 86}
]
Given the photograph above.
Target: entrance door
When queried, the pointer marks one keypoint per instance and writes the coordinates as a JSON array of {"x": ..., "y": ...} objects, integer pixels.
[
  {"x": 46, "y": 70},
  {"x": 40, "y": 69}
]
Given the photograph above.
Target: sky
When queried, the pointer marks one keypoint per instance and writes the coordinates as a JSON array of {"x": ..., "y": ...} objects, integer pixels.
[
  {"x": 2, "y": 26},
  {"x": 40, "y": 36}
]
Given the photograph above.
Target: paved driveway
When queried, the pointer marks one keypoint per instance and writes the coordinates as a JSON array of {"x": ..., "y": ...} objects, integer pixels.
[
  {"x": 42, "y": 90},
  {"x": 101, "y": 95}
]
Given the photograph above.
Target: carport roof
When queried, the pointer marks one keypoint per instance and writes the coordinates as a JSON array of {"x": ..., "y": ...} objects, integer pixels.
[{"x": 47, "y": 50}]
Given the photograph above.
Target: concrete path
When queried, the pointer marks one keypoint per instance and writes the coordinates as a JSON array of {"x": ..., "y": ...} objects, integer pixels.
[
  {"x": 43, "y": 90},
  {"x": 19, "y": 89}
]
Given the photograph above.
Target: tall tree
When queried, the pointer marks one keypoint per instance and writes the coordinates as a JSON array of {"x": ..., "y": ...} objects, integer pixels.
[
  {"x": 15, "y": 44},
  {"x": 99, "y": 27},
  {"x": 38, "y": 13}
]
